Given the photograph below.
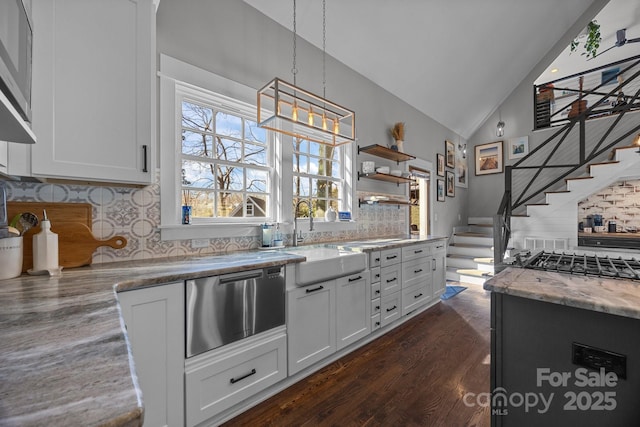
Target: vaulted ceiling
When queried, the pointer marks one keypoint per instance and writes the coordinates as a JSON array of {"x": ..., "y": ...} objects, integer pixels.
[{"x": 454, "y": 60}]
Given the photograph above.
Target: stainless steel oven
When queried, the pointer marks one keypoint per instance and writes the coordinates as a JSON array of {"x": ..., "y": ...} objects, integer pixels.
[{"x": 223, "y": 309}]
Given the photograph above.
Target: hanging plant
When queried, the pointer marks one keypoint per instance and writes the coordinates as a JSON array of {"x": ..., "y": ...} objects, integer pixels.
[{"x": 592, "y": 43}]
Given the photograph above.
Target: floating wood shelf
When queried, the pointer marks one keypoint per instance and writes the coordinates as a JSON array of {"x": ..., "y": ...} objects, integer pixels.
[
  {"x": 385, "y": 177},
  {"x": 386, "y": 153},
  {"x": 386, "y": 202}
]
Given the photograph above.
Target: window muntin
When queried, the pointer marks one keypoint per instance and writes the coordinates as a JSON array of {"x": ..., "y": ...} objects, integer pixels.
[
  {"x": 225, "y": 165},
  {"x": 317, "y": 174}
]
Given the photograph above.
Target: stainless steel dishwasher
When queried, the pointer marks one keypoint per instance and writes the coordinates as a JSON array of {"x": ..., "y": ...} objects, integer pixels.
[{"x": 223, "y": 309}]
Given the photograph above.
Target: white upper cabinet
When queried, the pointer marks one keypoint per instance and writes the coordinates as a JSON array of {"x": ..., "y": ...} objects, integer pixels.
[{"x": 94, "y": 90}]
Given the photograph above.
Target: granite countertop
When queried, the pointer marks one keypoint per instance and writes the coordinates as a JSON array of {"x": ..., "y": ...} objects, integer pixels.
[
  {"x": 64, "y": 357},
  {"x": 386, "y": 243},
  {"x": 613, "y": 296}
]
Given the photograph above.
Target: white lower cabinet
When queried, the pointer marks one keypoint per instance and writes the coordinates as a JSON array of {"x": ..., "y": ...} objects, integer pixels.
[
  {"x": 154, "y": 318},
  {"x": 439, "y": 268},
  {"x": 391, "y": 308},
  {"x": 219, "y": 379},
  {"x": 311, "y": 324},
  {"x": 353, "y": 309}
]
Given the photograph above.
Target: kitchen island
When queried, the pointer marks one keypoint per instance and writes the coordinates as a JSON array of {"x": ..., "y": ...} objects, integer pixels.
[
  {"x": 565, "y": 349},
  {"x": 66, "y": 357}
]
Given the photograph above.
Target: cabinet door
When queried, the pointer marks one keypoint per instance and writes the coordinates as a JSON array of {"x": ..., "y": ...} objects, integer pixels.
[
  {"x": 353, "y": 306},
  {"x": 311, "y": 324},
  {"x": 94, "y": 89},
  {"x": 154, "y": 318},
  {"x": 439, "y": 266}
]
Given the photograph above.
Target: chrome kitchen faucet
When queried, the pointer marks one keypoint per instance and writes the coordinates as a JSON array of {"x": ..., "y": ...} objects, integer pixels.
[{"x": 298, "y": 238}]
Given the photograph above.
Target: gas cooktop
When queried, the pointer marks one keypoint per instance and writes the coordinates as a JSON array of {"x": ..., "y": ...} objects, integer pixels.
[{"x": 586, "y": 265}]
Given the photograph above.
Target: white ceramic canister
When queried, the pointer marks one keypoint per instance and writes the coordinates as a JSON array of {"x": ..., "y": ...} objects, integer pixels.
[{"x": 10, "y": 257}]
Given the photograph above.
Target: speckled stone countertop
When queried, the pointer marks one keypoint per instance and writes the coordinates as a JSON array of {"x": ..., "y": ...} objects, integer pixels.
[
  {"x": 614, "y": 296},
  {"x": 64, "y": 358}
]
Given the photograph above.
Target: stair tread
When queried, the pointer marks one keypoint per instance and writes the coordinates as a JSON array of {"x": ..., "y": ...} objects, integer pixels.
[
  {"x": 471, "y": 234},
  {"x": 476, "y": 273},
  {"x": 460, "y": 256},
  {"x": 557, "y": 192},
  {"x": 537, "y": 204},
  {"x": 484, "y": 260},
  {"x": 481, "y": 225},
  {"x": 578, "y": 178}
]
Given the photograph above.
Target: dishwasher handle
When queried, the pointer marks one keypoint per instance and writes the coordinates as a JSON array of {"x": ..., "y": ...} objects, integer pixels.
[{"x": 242, "y": 275}]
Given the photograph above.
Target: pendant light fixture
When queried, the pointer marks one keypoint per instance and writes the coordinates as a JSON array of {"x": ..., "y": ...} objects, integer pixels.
[
  {"x": 285, "y": 108},
  {"x": 500, "y": 127}
]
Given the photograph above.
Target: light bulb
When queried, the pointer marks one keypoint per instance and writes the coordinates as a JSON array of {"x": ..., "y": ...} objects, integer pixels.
[
  {"x": 324, "y": 122},
  {"x": 336, "y": 127},
  {"x": 294, "y": 112},
  {"x": 500, "y": 128},
  {"x": 310, "y": 116}
]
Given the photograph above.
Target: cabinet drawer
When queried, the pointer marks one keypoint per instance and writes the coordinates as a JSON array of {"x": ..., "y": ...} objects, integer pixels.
[
  {"x": 439, "y": 247},
  {"x": 390, "y": 308},
  {"x": 375, "y": 322},
  {"x": 375, "y": 290},
  {"x": 390, "y": 257},
  {"x": 375, "y": 306},
  {"x": 415, "y": 272},
  {"x": 415, "y": 251},
  {"x": 374, "y": 259},
  {"x": 415, "y": 297},
  {"x": 375, "y": 275},
  {"x": 215, "y": 383},
  {"x": 391, "y": 279}
]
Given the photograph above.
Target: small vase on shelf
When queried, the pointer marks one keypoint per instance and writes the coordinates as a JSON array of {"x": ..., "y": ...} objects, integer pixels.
[{"x": 399, "y": 144}]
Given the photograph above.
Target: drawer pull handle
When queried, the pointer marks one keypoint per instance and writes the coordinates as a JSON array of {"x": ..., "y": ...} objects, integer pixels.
[
  {"x": 377, "y": 291},
  {"x": 434, "y": 265},
  {"x": 377, "y": 323},
  {"x": 419, "y": 251},
  {"x": 315, "y": 289},
  {"x": 144, "y": 162},
  {"x": 440, "y": 247},
  {"x": 235, "y": 380},
  {"x": 392, "y": 280},
  {"x": 377, "y": 259},
  {"x": 377, "y": 276},
  {"x": 392, "y": 257},
  {"x": 417, "y": 271},
  {"x": 392, "y": 308},
  {"x": 353, "y": 279},
  {"x": 377, "y": 307},
  {"x": 418, "y": 296}
]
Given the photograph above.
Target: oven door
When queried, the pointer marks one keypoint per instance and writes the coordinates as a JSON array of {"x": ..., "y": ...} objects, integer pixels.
[{"x": 227, "y": 308}]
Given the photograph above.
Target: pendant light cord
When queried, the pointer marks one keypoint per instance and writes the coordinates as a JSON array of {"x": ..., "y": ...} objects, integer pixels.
[
  {"x": 294, "y": 70},
  {"x": 324, "y": 49}
]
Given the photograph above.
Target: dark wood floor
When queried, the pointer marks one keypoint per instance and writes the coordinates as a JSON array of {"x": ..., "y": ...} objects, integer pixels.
[{"x": 415, "y": 375}]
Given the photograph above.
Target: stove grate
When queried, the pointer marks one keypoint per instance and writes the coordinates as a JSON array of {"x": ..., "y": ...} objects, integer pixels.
[{"x": 588, "y": 265}]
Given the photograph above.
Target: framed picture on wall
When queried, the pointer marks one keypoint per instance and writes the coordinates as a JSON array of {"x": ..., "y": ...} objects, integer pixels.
[
  {"x": 450, "y": 154},
  {"x": 461, "y": 166},
  {"x": 518, "y": 147},
  {"x": 440, "y": 162},
  {"x": 489, "y": 158},
  {"x": 440, "y": 189},
  {"x": 451, "y": 184}
]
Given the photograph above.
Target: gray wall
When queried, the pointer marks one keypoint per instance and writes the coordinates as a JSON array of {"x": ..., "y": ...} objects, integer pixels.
[
  {"x": 232, "y": 39},
  {"x": 486, "y": 191}
]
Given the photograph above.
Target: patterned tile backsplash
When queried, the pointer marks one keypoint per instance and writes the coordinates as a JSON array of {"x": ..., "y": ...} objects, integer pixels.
[
  {"x": 619, "y": 202},
  {"x": 135, "y": 214}
]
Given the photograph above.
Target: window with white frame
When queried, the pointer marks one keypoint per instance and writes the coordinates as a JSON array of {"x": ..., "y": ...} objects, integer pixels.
[
  {"x": 318, "y": 176},
  {"x": 224, "y": 163}
]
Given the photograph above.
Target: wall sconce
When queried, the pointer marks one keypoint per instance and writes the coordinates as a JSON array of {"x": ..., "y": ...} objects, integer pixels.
[
  {"x": 500, "y": 129},
  {"x": 636, "y": 142},
  {"x": 463, "y": 149}
]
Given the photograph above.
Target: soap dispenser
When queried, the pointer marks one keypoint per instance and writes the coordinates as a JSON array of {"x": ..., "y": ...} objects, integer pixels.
[{"x": 45, "y": 247}]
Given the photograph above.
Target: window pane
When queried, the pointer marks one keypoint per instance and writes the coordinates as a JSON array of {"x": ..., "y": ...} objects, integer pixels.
[
  {"x": 228, "y": 125},
  {"x": 197, "y": 174},
  {"x": 202, "y": 202},
  {"x": 257, "y": 205},
  {"x": 257, "y": 180},
  {"x": 229, "y": 205},
  {"x": 314, "y": 148},
  {"x": 255, "y": 154},
  {"x": 300, "y": 145},
  {"x": 300, "y": 187},
  {"x": 197, "y": 117},
  {"x": 314, "y": 166},
  {"x": 254, "y": 133},
  {"x": 335, "y": 170},
  {"x": 229, "y": 178},
  {"x": 300, "y": 163},
  {"x": 196, "y": 144},
  {"x": 228, "y": 149}
]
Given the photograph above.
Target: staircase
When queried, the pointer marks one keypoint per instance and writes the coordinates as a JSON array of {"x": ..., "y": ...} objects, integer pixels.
[
  {"x": 470, "y": 253},
  {"x": 557, "y": 218}
]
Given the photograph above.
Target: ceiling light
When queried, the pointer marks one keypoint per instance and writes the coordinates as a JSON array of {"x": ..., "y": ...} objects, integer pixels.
[
  {"x": 285, "y": 108},
  {"x": 554, "y": 70}
]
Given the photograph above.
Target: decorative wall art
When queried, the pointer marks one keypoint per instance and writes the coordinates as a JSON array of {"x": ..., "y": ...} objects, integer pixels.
[
  {"x": 451, "y": 184},
  {"x": 518, "y": 147},
  {"x": 440, "y": 189},
  {"x": 489, "y": 158},
  {"x": 450, "y": 154},
  {"x": 440, "y": 166},
  {"x": 461, "y": 166}
]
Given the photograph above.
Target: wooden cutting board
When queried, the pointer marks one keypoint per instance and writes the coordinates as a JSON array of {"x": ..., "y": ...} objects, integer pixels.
[{"x": 72, "y": 222}]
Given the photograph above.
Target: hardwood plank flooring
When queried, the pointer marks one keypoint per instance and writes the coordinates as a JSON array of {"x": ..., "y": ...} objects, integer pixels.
[{"x": 415, "y": 375}]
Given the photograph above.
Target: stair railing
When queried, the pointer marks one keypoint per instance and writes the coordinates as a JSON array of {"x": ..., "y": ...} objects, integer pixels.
[{"x": 546, "y": 165}]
